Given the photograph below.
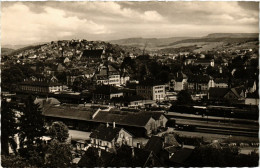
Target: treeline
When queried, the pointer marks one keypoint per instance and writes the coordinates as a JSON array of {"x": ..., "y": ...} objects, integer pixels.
[{"x": 31, "y": 150}]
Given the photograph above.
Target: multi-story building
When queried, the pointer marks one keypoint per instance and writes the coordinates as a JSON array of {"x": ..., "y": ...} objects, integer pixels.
[
  {"x": 151, "y": 91},
  {"x": 109, "y": 137},
  {"x": 114, "y": 80},
  {"x": 205, "y": 62},
  {"x": 200, "y": 84},
  {"x": 221, "y": 83},
  {"x": 41, "y": 86},
  {"x": 108, "y": 75},
  {"x": 180, "y": 82},
  {"x": 103, "y": 93},
  {"x": 159, "y": 92}
]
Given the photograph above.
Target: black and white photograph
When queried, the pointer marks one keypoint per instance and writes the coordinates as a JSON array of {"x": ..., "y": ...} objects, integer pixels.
[{"x": 129, "y": 84}]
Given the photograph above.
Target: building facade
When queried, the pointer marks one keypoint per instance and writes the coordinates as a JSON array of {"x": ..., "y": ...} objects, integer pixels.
[
  {"x": 151, "y": 92},
  {"x": 41, "y": 86}
]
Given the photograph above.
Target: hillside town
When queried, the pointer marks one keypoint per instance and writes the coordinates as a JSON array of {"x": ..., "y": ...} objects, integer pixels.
[
  {"x": 123, "y": 106},
  {"x": 129, "y": 84}
]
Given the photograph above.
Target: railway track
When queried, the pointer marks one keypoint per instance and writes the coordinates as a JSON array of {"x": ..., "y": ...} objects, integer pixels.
[
  {"x": 226, "y": 132},
  {"x": 252, "y": 130},
  {"x": 215, "y": 126},
  {"x": 210, "y": 118}
]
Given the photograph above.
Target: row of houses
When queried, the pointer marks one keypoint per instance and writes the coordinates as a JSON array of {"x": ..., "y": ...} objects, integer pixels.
[
  {"x": 202, "y": 83},
  {"x": 158, "y": 151},
  {"x": 39, "y": 86},
  {"x": 146, "y": 93},
  {"x": 235, "y": 95}
]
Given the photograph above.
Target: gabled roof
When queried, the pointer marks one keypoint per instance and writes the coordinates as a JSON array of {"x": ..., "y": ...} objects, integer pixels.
[
  {"x": 237, "y": 91},
  {"x": 123, "y": 118},
  {"x": 68, "y": 112},
  {"x": 60, "y": 67},
  {"x": 154, "y": 144},
  {"x": 111, "y": 68},
  {"x": 170, "y": 140},
  {"x": 218, "y": 92},
  {"x": 91, "y": 158},
  {"x": 105, "y": 133},
  {"x": 180, "y": 76},
  {"x": 141, "y": 158},
  {"x": 51, "y": 101},
  {"x": 155, "y": 115}
]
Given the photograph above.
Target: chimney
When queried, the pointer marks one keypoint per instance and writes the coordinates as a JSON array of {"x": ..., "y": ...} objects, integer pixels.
[
  {"x": 133, "y": 152},
  {"x": 114, "y": 124},
  {"x": 170, "y": 155},
  {"x": 107, "y": 124},
  {"x": 99, "y": 152},
  {"x": 138, "y": 145}
]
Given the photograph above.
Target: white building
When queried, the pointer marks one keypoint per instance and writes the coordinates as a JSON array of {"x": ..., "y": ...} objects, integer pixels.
[
  {"x": 114, "y": 80},
  {"x": 159, "y": 92},
  {"x": 119, "y": 94}
]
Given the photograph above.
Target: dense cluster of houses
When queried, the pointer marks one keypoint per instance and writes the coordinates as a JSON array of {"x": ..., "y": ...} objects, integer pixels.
[
  {"x": 113, "y": 83},
  {"x": 114, "y": 107}
]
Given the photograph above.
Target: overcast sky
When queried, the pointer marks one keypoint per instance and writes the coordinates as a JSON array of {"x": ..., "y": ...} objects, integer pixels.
[{"x": 30, "y": 22}]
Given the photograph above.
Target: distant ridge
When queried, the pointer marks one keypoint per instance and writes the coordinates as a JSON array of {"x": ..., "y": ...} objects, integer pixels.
[
  {"x": 151, "y": 42},
  {"x": 164, "y": 42},
  {"x": 232, "y": 35}
]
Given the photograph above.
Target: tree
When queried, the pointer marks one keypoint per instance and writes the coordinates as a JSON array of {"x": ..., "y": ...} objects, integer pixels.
[
  {"x": 127, "y": 62},
  {"x": 62, "y": 77},
  {"x": 58, "y": 154},
  {"x": 80, "y": 84},
  {"x": 14, "y": 74},
  {"x": 31, "y": 124},
  {"x": 163, "y": 76},
  {"x": 91, "y": 159},
  {"x": 59, "y": 131},
  {"x": 211, "y": 71},
  {"x": 8, "y": 126},
  {"x": 14, "y": 161},
  {"x": 142, "y": 73},
  {"x": 210, "y": 156},
  {"x": 184, "y": 97}
]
